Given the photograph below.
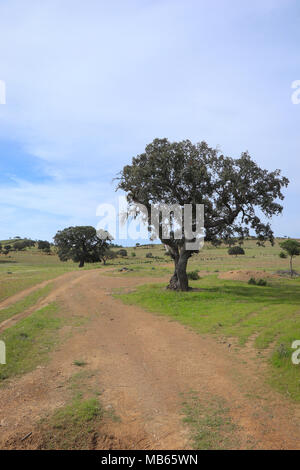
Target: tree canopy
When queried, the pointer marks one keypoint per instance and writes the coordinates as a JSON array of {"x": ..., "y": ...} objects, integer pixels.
[
  {"x": 234, "y": 192},
  {"x": 292, "y": 247},
  {"x": 44, "y": 245},
  {"x": 81, "y": 244}
]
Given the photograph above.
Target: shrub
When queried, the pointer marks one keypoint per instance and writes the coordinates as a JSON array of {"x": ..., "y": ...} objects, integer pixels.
[
  {"x": 19, "y": 246},
  {"x": 149, "y": 255},
  {"x": 122, "y": 252},
  {"x": 44, "y": 245},
  {"x": 261, "y": 282},
  {"x": 282, "y": 254},
  {"x": 236, "y": 250},
  {"x": 193, "y": 275},
  {"x": 133, "y": 254}
]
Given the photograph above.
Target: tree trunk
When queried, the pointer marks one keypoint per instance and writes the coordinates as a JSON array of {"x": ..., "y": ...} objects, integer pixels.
[
  {"x": 179, "y": 280},
  {"x": 291, "y": 266},
  {"x": 81, "y": 264}
]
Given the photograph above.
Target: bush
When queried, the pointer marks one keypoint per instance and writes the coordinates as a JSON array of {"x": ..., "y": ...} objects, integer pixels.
[
  {"x": 282, "y": 254},
  {"x": 236, "y": 250},
  {"x": 133, "y": 254},
  {"x": 44, "y": 245},
  {"x": 122, "y": 252},
  {"x": 260, "y": 282},
  {"x": 19, "y": 246},
  {"x": 193, "y": 275},
  {"x": 149, "y": 255}
]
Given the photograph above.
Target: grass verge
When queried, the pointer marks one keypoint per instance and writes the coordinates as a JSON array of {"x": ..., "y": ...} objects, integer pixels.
[
  {"x": 73, "y": 426},
  {"x": 29, "y": 342},
  {"x": 79, "y": 423},
  {"x": 25, "y": 303}
]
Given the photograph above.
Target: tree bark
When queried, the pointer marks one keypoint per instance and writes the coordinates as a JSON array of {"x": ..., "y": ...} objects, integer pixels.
[
  {"x": 291, "y": 266},
  {"x": 179, "y": 280},
  {"x": 81, "y": 264}
]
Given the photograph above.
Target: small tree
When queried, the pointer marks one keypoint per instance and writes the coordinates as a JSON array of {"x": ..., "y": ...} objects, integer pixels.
[
  {"x": 44, "y": 245},
  {"x": 28, "y": 243},
  {"x": 292, "y": 247},
  {"x": 236, "y": 250},
  {"x": 81, "y": 244},
  {"x": 122, "y": 253},
  {"x": 108, "y": 254},
  {"x": 7, "y": 249},
  {"x": 234, "y": 192},
  {"x": 20, "y": 246}
]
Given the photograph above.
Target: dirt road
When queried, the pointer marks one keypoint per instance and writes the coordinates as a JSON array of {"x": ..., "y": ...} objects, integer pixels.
[{"x": 143, "y": 364}]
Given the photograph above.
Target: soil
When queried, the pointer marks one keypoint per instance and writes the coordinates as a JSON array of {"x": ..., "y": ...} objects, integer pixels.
[{"x": 242, "y": 275}]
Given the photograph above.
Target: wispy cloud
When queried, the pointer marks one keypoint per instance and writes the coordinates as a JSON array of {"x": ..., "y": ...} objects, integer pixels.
[{"x": 90, "y": 83}]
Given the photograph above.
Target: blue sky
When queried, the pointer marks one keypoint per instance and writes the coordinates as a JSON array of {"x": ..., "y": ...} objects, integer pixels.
[{"x": 90, "y": 83}]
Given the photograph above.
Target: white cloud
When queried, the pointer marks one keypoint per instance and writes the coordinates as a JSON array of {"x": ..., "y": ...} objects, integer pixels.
[{"x": 90, "y": 83}]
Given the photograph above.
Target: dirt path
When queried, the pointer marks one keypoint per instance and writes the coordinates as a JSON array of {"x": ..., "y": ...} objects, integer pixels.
[{"x": 142, "y": 364}]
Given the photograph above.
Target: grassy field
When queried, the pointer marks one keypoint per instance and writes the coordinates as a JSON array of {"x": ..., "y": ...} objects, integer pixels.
[
  {"x": 29, "y": 342},
  {"x": 23, "y": 269},
  {"x": 220, "y": 307}
]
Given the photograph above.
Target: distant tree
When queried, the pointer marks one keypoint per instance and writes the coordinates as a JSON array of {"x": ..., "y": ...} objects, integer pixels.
[
  {"x": 0, "y": 247},
  {"x": 108, "y": 254},
  {"x": 292, "y": 247},
  {"x": 23, "y": 244},
  {"x": 122, "y": 253},
  {"x": 28, "y": 242},
  {"x": 81, "y": 244},
  {"x": 20, "y": 246},
  {"x": 234, "y": 192},
  {"x": 7, "y": 249},
  {"x": 44, "y": 245},
  {"x": 236, "y": 250}
]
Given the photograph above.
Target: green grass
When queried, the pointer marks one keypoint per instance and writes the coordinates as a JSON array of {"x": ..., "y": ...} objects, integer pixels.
[
  {"x": 79, "y": 363},
  {"x": 78, "y": 423},
  {"x": 20, "y": 270},
  {"x": 29, "y": 342},
  {"x": 209, "y": 423},
  {"x": 25, "y": 269},
  {"x": 73, "y": 426},
  {"x": 236, "y": 309},
  {"x": 25, "y": 303}
]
